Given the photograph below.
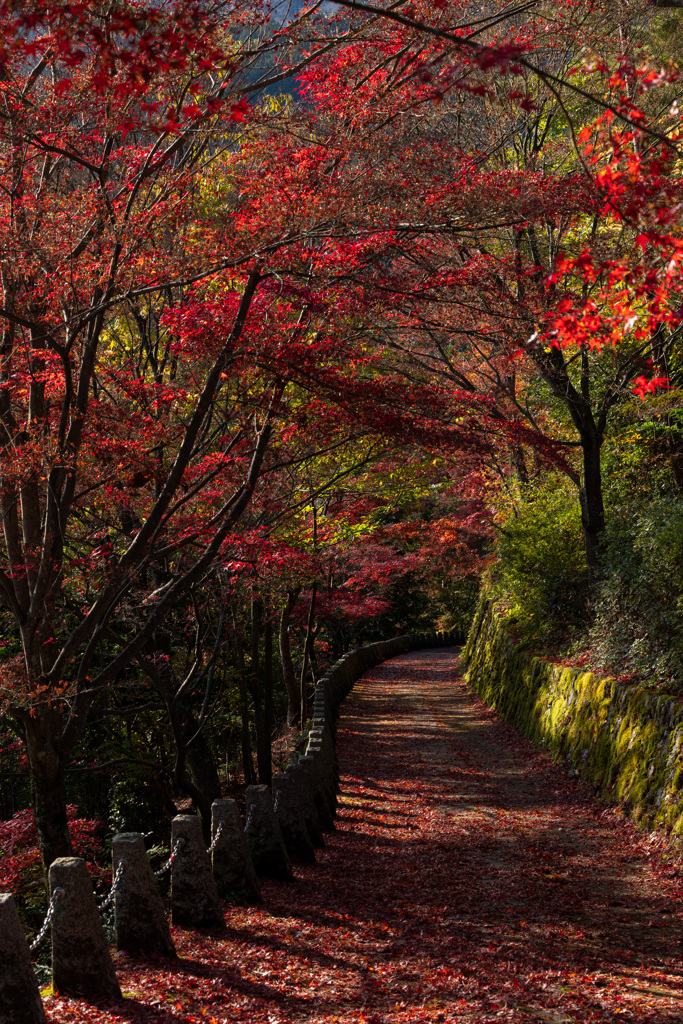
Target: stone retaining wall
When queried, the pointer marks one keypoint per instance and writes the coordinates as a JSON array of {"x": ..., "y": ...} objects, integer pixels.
[{"x": 626, "y": 740}]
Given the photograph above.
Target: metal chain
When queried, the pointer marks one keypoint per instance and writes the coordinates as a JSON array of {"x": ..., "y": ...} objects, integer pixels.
[
  {"x": 249, "y": 817},
  {"x": 57, "y": 894},
  {"x": 216, "y": 837},
  {"x": 174, "y": 853},
  {"x": 278, "y": 801},
  {"x": 120, "y": 868}
]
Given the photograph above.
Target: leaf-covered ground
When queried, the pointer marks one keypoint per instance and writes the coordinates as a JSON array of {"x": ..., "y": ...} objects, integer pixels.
[{"x": 469, "y": 879}]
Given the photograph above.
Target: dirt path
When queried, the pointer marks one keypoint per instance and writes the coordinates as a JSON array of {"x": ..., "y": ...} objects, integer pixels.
[{"x": 469, "y": 880}]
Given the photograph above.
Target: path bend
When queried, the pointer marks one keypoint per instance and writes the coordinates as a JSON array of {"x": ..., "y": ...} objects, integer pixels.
[{"x": 469, "y": 880}]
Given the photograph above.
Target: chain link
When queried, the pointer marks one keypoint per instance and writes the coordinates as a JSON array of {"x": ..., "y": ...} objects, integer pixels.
[
  {"x": 278, "y": 801},
  {"x": 249, "y": 817},
  {"x": 216, "y": 837},
  {"x": 120, "y": 868},
  {"x": 57, "y": 894},
  {"x": 174, "y": 853}
]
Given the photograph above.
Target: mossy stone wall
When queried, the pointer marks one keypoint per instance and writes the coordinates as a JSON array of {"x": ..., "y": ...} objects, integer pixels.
[{"x": 624, "y": 739}]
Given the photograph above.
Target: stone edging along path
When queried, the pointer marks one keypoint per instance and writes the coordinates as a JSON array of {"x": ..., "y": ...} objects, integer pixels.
[
  {"x": 626, "y": 741},
  {"x": 331, "y": 690},
  {"x": 339, "y": 679}
]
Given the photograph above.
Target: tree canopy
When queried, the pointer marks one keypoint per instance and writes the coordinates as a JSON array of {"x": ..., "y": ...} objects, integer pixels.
[{"x": 305, "y": 314}]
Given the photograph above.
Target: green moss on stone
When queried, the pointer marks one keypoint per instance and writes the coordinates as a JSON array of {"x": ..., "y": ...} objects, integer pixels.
[{"x": 627, "y": 741}]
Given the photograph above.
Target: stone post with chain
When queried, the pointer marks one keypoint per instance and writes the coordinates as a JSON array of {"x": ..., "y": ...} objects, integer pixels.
[
  {"x": 81, "y": 964},
  {"x": 291, "y": 820},
  {"x": 232, "y": 864},
  {"x": 194, "y": 896},
  {"x": 20, "y": 1001},
  {"x": 264, "y": 838},
  {"x": 140, "y": 918}
]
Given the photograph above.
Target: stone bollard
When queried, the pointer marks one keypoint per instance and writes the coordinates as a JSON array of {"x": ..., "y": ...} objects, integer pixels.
[
  {"x": 81, "y": 964},
  {"x": 308, "y": 808},
  {"x": 20, "y": 1001},
  {"x": 194, "y": 896},
  {"x": 325, "y": 776},
  {"x": 291, "y": 820},
  {"x": 320, "y": 797},
  {"x": 320, "y": 749},
  {"x": 232, "y": 866},
  {"x": 264, "y": 838},
  {"x": 141, "y": 925}
]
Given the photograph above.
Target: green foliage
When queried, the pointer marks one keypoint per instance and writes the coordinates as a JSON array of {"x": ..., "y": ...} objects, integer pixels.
[
  {"x": 637, "y": 623},
  {"x": 540, "y": 571},
  {"x": 628, "y": 620},
  {"x": 420, "y": 604},
  {"x": 458, "y": 599},
  {"x": 638, "y": 611},
  {"x": 622, "y": 738},
  {"x": 135, "y": 806}
]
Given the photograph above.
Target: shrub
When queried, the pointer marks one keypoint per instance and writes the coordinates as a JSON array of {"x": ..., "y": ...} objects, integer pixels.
[
  {"x": 540, "y": 572},
  {"x": 20, "y": 863},
  {"x": 638, "y": 610}
]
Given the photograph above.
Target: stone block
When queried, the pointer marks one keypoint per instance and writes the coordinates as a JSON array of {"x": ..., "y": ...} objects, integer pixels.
[
  {"x": 81, "y": 963},
  {"x": 307, "y": 804},
  {"x": 232, "y": 865},
  {"x": 320, "y": 746},
  {"x": 20, "y": 1001},
  {"x": 140, "y": 917},
  {"x": 322, "y": 804},
  {"x": 291, "y": 820},
  {"x": 324, "y": 775},
  {"x": 264, "y": 838},
  {"x": 195, "y": 902}
]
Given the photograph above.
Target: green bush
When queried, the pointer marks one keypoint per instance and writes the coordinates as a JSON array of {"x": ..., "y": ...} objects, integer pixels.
[
  {"x": 637, "y": 613},
  {"x": 627, "y": 619},
  {"x": 135, "y": 805},
  {"x": 638, "y": 609},
  {"x": 540, "y": 573}
]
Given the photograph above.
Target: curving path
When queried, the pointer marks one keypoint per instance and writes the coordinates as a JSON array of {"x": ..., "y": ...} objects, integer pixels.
[{"x": 469, "y": 880}]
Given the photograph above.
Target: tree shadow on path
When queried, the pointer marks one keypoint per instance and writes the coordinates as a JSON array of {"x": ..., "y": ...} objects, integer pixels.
[{"x": 469, "y": 880}]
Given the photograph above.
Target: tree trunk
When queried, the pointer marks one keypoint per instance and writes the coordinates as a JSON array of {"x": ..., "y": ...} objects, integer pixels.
[
  {"x": 592, "y": 505},
  {"x": 268, "y": 697},
  {"x": 184, "y": 783},
  {"x": 201, "y": 763},
  {"x": 43, "y": 734},
  {"x": 312, "y": 655},
  {"x": 263, "y": 758},
  {"x": 519, "y": 464},
  {"x": 291, "y": 683},
  {"x": 200, "y": 787},
  {"x": 307, "y": 651},
  {"x": 247, "y": 762},
  {"x": 555, "y": 372}
]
